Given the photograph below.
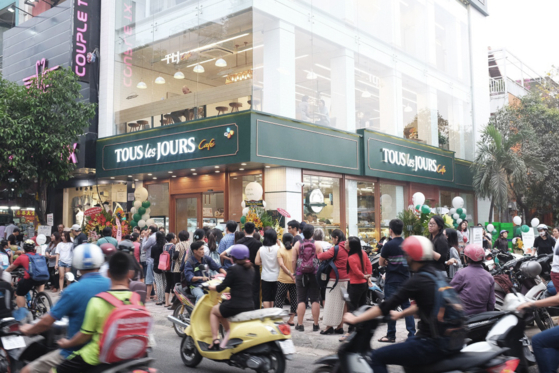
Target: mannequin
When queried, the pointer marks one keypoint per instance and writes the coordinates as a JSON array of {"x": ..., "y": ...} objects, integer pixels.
[{"x": 79, "y": 217}]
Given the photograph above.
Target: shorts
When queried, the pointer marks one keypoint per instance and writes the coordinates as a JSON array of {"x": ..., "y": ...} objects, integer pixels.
[
  {"x": 74, "y": 364},
  {"x": 64, "y": 265},
  {"x": 46, "y": 362},
  {"x": 25, "y": 286},
  {"x": 149, "y": 273},
  {"x": 269, "y": 290},
  {"x": 310, "y": 291},
  {"x": 227, "y": 311}
]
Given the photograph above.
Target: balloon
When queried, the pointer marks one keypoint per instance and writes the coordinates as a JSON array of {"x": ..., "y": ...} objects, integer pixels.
[
  {"x": 137, "y": 204},
  {"x": 459, "y": 211},
  {"x": 264, "y": 204},
  {"x": 253, "y": 191},
  {"x": 490, "y": 227},
  {"x": 137, "y": 217},
  {"x": 494, "y": 233},
  {"x": 458, "y": 202},
  {"x": 456, "y": 216},
  {"x": 525, "y": 228},
  {"x": 452, "y": 211},
  {"x": 141, "y": 210},
  {"x": 133, "y": 210},
  {"x": 150, "y": 222},
  {"x": 133, "y": 223},
  {"x": 146, "y": 204},
  {"x": 463, "y": 216},
  {"x": 465, "y": 239},
  {"x": 464, "y": 211},
  {"x": 418, "y": 207},
  {"x": 515, "y": 238},
  {"x": 145, "y": 217},
  {"x": 455, "y": 225},
  {"x": 243, "y": 219},
  {"x": 142, "y": 223},
  {"x": 141, "y": 194},
  {"x": 459, "y": 221},
  {"x": 245, "y": 211},
  {"x": 425, "y": 209},
  {"x": 243, "y": 204},
  {"x": 535, "y": 222},
  {"x": 418, "y": 198},
  {"x": 517, "y": 220},
  {"x": 41, "y": 239}
]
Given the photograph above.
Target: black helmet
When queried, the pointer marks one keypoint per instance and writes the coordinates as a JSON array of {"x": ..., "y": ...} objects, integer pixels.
[{"x": 29, "y": 246}]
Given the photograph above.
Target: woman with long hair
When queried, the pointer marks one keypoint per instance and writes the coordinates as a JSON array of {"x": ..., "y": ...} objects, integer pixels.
[
  {"x": 64, "y": 257},
  {"x": 183, "y": 247},
  {"x": 214, "y": 254},
  {"x": 51, "y": 255},
  {"x": 267, "y": 257},
  {"x": 286, "y": 277},
  {"x": 159, "y": 275},
  {"x": 436, "y": 227},
  {"x": 454, "y": 263},
  {"x": 169, "y": 247}
]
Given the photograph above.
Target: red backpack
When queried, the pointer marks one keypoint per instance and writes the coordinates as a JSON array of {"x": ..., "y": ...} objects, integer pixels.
[
  {"x": 165, "y": 259},
  {"x": 308, "y": 262},
  {"x": 126, "y": 330}
]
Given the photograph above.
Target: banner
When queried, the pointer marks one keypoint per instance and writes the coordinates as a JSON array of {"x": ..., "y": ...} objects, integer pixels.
[
  {"x": 50, "y": 219},
  {"x": 44, "y": 229},
  {"x": 93, "y": 211},
  {"x": 118, "y": 230},
  {"x": 85, "y": 38},
  {"x": 283, "y": 212},
  {"x": 476, "y": 236}
]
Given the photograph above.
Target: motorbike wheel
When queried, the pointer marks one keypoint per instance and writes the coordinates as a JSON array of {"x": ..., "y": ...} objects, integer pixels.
[
  {"x": 543, "y": 319},
  {"x": 182, "y": 314},
  {"x": 324, "y": 369},
  {"x": 42, "y": 305},
  {"x": 369, "y": 301},
  {"x": 278, "y": 362},
  {"x": 189, "y": 353}
]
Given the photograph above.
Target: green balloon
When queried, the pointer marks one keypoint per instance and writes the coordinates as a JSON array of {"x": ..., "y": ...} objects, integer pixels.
[
  {"x": 495, "y": 233},
  {"x": 525, "y": 228},
  {"x": 462, "y": 216},
  {"x": 141, "y": 211},
  {"x": 133, "y": 223},
  {"x": 425, "y": 209},
  {"x": 459, "y": 211},
  {"x": 418, "y": 207},
  {"x": 137, "y": 217},
  {"x": 455, "y": 225},
  {"x": 243, "y": 219},
  {"x": 146, "y": 204}
]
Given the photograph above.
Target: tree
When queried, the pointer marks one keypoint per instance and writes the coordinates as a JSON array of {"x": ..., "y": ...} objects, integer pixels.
[{"x": 38, "y": 127}]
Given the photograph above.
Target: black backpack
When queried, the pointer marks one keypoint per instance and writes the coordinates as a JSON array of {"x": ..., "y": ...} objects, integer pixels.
[{"x": 323, "y": 272}]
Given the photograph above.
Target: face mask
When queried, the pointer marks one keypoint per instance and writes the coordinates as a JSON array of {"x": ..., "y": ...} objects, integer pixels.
[{"x": 542, "y": 233}]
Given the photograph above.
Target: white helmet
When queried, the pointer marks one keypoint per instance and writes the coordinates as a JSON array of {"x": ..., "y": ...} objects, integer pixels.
[
  {"x": 542, "y": 226},
  {"x": 88, "y": 256}
]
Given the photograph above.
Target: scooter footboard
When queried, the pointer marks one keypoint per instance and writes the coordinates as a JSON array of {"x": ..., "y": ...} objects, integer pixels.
[{"x": 329, "y": 360}]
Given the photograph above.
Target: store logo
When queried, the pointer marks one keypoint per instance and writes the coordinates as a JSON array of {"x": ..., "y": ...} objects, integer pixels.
[
  {"x": 316, "y": 200},
  {"x": 162, "y": 149},
  {"x": 41, "y": 70},
  {"x": 416, "y": 163}
]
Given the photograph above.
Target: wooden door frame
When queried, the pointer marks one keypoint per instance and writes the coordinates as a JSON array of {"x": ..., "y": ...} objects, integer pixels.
[{"x": 173, "y": 210}]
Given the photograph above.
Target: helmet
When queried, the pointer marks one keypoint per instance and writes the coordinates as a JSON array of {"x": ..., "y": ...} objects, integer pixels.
[
  {"x": 474, "y": 252},
  {"x": 418, "y": 248},
  {"x": 530, "y": 269},
  {"x": 126, "y": 246},
  {"x": 29, "y": 245},
  {"x": 108, "y": 249},
  {"x": 239, "y": 252},
  {"x": 542, "y": 226},
  {"x": 503, "y": 231},
  {"x": 88, "y": 256}
]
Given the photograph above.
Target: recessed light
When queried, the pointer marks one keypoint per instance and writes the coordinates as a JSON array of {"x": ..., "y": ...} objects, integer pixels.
[
  {"x": 112, "y": 178},
  {"x": 154, "y": 178},
  {"x": 135, "y": 179},
  {"x": 217, "y": 171},
  {"x": 241, "y": 169},
  {"x": 216, "y": 166},
  {"x": 170, "y": 172},
  {"x": 174, "y": 176},
  {"x": 150, "y": 174},
  {"x": 194, "y": 173},
  {"x": 129, "y": 175},
  {"x": 192, "y": 169},
  {"x": 243, "y": 164},
  {"x": 267, "y": 166}
]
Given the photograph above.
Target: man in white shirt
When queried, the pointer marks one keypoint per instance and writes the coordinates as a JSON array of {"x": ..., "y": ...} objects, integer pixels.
[{"x": 9, "y": 229}]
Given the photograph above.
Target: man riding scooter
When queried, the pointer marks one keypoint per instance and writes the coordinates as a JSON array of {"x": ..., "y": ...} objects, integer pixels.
[{"x": 431, "y": 344}]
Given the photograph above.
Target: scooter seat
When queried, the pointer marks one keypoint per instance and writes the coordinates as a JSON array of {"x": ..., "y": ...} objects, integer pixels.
[
  {"x": 257, "y": 314},
  {"x": 460, "y": 362},
  {"x": 484, "y": 316}
]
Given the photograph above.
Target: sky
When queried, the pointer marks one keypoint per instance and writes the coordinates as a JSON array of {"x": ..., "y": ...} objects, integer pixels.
[{"x": 527, "y": 29}]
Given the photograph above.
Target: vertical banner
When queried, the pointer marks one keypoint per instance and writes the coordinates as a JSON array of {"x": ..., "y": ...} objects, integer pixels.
[
  {"x": 528, "y": 239},
  {"x": 118, "y": 230},
  {"x": 476, "y": 236},
  {"x": 85, "y": 40},
  {"x": 50, "y": 219}
]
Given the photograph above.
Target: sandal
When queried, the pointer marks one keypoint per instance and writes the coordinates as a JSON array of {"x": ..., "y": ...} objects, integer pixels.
[
  {"x": 291, "y": 324},
  {"x": 215, "y": 346},
  {"x": 385, "y": 339}
]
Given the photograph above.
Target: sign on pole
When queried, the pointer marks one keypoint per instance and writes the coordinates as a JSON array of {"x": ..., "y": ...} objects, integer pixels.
[
  {"x": 50, "y": 219},
  {"x": 476, "y": 236}
]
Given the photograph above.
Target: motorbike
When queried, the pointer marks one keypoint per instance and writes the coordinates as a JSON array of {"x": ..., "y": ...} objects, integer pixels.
[
  {"x": 183, "y": 305},
  {"x": 259, "y": 339}
]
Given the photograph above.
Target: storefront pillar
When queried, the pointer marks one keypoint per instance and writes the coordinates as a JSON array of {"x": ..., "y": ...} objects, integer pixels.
[
  {"x": 283, "y": 190},
  {"x": 279, "y": 74},
  {"x": 456, "y": 133},
  {"x": 391, "y": 113},
  {"x": 343, "y": 88},
  {"x": 351, "y": 205},
  {"x": 428, "y": 121}
]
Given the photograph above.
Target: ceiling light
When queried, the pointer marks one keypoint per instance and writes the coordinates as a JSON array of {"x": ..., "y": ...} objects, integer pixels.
[
  {"x": 209, "y": 45},
  {"x": 366, "y": 94},
  {"x": 135, "y": 179},
  {"x": 154, "y": 178},
  {"x": 160, "y": 80},
  {"x": 408, "y": 109},
  {"x": 112, "y": 178},
  {"x": 15, "y": 207},
  {"x": 192, "y": 169},
  {"x": 150, "y": 174},
  {"x": 30, "y": 209},
  {"x": 243, "y": 164},
  {"x": 217, "y": 171},
  {"x": 142, "y": 85},
  {"x": 129, "y": 175},
  {"x": 267, "y": 166},
  {"x": 198, "y": 69},
  {"x": 221, "y": 63},
  {"x": 178, "y": 75},
  {"x": 11, "y": 9},
  {"x": 3, "y": 207},
  {"x": 170, "y": 172},
  {"x": 241, "y": 169},
  {"x": 216, "y": 166},
  {"x": 195, "y": 173},
  {"x": 201, "y": 62},
  {"x": 311, "y": 75},
  {"x": 174, "y": 176}
]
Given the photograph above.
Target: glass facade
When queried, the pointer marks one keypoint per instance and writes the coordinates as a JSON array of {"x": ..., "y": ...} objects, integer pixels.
[
  {"x": 322, "y": 202},
  {"x": 398, "y": 67}
]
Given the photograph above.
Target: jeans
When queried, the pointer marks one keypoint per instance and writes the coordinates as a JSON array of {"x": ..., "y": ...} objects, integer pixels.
[
  {"x": 546, "y": 350},
  {"x": 389, "y": 290},
  {"x": 197, "y": 292},
  {"x": 414, "y": 351}
]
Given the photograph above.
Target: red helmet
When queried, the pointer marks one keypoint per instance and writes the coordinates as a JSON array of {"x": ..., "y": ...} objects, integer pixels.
[
  {"x": 474, "y": 252},
  {"x": 108, "y": 249},
  {"x": 418, "y": 248}
]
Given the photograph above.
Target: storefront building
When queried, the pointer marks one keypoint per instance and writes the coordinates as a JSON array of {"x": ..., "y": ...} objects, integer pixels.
[{"x": 315, "y": 100}]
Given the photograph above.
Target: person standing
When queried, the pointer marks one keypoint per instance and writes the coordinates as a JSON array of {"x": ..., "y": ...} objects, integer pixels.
[
  {"x": 253, "y": 245},
  {"x": 159, "y": 275},
  {"x": 147, "y": 244},
  {"x": 454, "y": 263},
  {"x": 397, "y": 273},
  {"x": 61, "y": 229},
  {"x": 107, "y": 237},
  {"x": 9, "y": 229},
  {"x": 293, "y": 229},
  {"x": 286, "y": 277},
  {"x": 544, "y": 244},
  {"x": 212, "y": 246},
  {"x": 51, "y": 255},
  {"x": 436, "y": 227},
  {"x": 183, "y": 247},
  {"x": 170, "y": 246},
  {"x": 227, "y": 241},
  {"x": 502, "y": 243},
  {"x": 267, "y": 257},
  {"x": 135, "y": 238},
  {"x": 318, "y": 238},
  {"x": 79, "y": 236},
  {"x": 64, "y": 258}
]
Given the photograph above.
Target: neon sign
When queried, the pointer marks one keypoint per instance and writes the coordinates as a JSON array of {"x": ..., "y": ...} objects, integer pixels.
[
  {"x": 416, "y": 163},
  {"x": 41, "y": 70},
  {"x": 128, "y": 53}
]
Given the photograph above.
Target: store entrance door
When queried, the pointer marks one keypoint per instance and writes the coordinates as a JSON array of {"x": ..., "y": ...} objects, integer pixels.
[{"x": 187, "y": 212}]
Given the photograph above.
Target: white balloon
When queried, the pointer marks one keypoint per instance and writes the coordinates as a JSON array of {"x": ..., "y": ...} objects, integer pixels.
[
  {"x": 150, "y": 222},
  {"x": 456, "y": 216},
  {"x": 142, "y": 223},
  {"x": 515, "y": 238},
  {"x": 458, "y": 202},
  {"x": 418, "y": 199},
  {"x": 133, "y": 210},
  {"x": 141, "y": 194},
  {"x": 243, "y": 204},
  {"x": 145, "y": 217},
  {"x": 264, "y": 204},
  {"x": 452, "y": 211},
  {"x": 459, "y": 221},
  {"x": 444, "y": 210},
  {"x": 148, "y": 210},
  {"x": 464, "y": 211},
  {"x": 137, "y": 204},
  {"x": 490, "y": 227},
  {"x": 253, "y": 191},
  {"x": 517, "y": 220},
  {"x": 535, "y": 222},
  {"x": 245, "y": 211},
  {"x": 41, "y": 239}
]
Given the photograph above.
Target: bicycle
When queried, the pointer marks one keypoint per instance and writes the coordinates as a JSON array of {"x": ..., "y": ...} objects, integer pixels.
[{"x": 38, "y": 303}]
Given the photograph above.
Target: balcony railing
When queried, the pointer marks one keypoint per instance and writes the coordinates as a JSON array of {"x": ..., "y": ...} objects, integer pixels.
[{"x": 497, "y": 86}]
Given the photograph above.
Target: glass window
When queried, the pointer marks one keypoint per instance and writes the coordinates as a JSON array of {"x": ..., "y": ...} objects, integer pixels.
[
  {"x": 213, "y": 209},
  {"x": 448, "y": 196},
  {"x": 7, "y": 21},
  {"x": 237, "y": 186},
  {"x": 392, "y": 202},
  {"x": 360, "y": 210},
  {"x": 321, "y": 202}
]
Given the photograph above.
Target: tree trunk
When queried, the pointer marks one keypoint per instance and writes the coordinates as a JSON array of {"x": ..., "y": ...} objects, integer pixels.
[
  {"x": 491, "y": 207},
  {"x": 42, "y": 211}
]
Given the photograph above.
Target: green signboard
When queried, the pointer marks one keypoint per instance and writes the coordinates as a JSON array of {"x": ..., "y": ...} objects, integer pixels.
[
  {"x": 394, "y": 158},
  {"x": 157, "y": 149}
]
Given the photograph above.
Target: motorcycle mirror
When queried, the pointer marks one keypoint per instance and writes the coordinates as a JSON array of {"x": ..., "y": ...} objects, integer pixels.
[
  {"x": 203, "y": 267},
  {"x": 69, "y": 276}
]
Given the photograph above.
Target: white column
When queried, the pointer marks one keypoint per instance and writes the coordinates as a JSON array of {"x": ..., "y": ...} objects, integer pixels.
[
  {"x": 279, "y": 69},
  {"x": 396, "y": 23},
  {"x": 345, "y": 10},
  {"x": 391, "y": 109},
  {"x": 282, "y": 188},
  {"x": 343, "y": 89},
  {"x": 431, "y": 43},
  {"x": 351, "y": 205},
  {"x": 107, "y": 71},
  {"x": 428, "y": 122}
]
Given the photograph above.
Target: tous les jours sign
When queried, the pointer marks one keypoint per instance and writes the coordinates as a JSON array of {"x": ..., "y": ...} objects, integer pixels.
[
  {"x": 162, "y": 149},
  {"x": 416, "y": 163}
]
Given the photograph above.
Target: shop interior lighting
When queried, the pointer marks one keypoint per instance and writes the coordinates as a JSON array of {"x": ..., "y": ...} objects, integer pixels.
[
  {"x": 13, "y": 8},
  {"x": 174, "y": 176},
  {"x": 211, "y": 45},
  {"x": 112, "y": 178},
  {"x": 198, "y": 69},
  {"x": 302, "y": 56},
  {"x": 129, "y": 175},
  {"x": 241, "y": 169},
  {"x": 192, "y": 169},
  {"x": 324, "y": 67},
  {"x": 150, "y": 174},
  {"x": 170, "y": 172},
  {"x": 136, "y": 180},
  {"x": 30, "y": 209},
  {"x": 216, "y": 166},
  {"x": 267, "y": 166},
  {"x": 142, "y": 85},
  {"x": 366, "y": 94},
  {"x": 154, "y": 178},
  {"x": 194, "y": 174},
  {"x": 15, "y": 207},
  {"x": 311, "y": 75},
  {"x": 178, "y": 75},
  {"x": 243, "y": 164},
  {"x": 3, "y": 207},
  {"x": 202, "y": 62},
  {"x": 408, "y": 109},
  {"x": 221, "y": 63},
  {"x": 160, "y": 80}
]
